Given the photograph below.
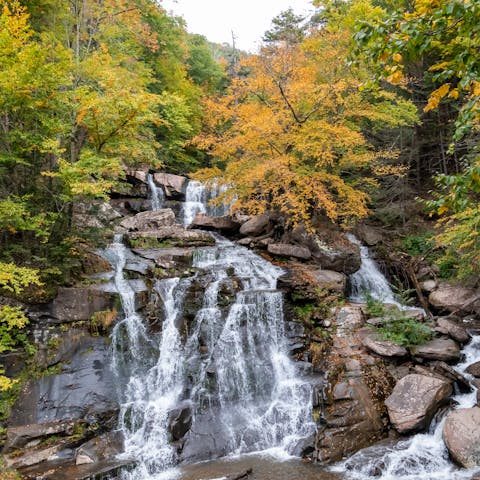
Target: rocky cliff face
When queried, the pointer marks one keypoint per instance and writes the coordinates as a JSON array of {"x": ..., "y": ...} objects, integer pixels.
[{"x": 60, "y": 425}]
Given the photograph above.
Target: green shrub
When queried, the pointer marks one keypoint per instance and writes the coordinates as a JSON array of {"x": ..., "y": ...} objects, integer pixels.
[
  {"x": 375, "y": 308},
  {"x": 404, "y": 331}
]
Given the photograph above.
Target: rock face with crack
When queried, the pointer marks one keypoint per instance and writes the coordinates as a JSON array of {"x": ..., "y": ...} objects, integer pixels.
[{"x": 414, "y": 401}]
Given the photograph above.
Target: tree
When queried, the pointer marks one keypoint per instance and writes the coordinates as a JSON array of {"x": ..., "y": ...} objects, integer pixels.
[
  {"x": 293, "y": 134},
  {"x": 286, "y": 27}
]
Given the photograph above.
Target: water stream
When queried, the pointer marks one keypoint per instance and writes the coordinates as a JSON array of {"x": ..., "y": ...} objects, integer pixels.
[
  {"x": 229, "y": 365},
  {"x": 156, "y": 194}
]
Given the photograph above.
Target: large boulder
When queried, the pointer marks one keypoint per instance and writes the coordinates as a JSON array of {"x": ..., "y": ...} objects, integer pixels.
[
  {"x": 104, "y": 447},
  {"x": 173, "y": 236},
  {"x": 380, "y": 347},
  {"x": 257, "y": 225},
  {"x": 77, "y": 303},
  {"x": 454, "y": 298},
  {"x": 461, "y": 434},
  {"x": 93, "y": 214},
  {"x": 137, "y": 175},
  {"x": 370, "y": 236},
  {"x": 174, "y": 185},
  {"x": 443, "y": 349},
  {"x": 474, "y": 369},
  {"x": 287, "y": 250},
  {"x": 414, "y": 401},
  {"x": 329, "y": 280},
  {"x": 150, "y": 220},
  {"x": 222, "y": 224},
  {"x": 453, "y": 329}
]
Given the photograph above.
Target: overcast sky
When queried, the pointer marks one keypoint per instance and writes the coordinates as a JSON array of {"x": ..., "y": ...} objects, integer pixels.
[{"x": 249, "y": 19}]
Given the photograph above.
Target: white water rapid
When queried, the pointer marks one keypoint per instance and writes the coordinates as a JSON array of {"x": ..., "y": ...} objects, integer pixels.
[
  {"x": 369, "y": 279},
  {"x": 225, "y": 365},
  {"x": 197, "y": 200},
  {"x": 156, "y": 194},
  {"x": 421, "y": 457}
]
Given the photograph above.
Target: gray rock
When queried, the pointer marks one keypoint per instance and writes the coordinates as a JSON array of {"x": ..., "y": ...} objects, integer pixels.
[
  {"x": 288, "y": 250},
  {"x": 140, "y": 175},
  {"x": 414, "y": 401},
  {"x": 222, "y": 224},
  {"x": 174, "y": 185},
  {"x": 370, "y": 236},
  {"x": 452, "y": 298},
  {"x": 340, "y": 256},
  {"x": 461, "y": 434},
  {"x": 330, "y": 280},
  {"x": 149, "y": 220},
  {"x": 104, "y": 447},
  {"x": 77, "y": 304},
  {"x": 256, "y": 225},
  {"x": 453, "y": 329},
  {"x": 380, "y": 347},
  {"x": 474, "y": 369},
  {"x": 428, "y": 285},
  {"x": 176, "y": 236},
  {"x": 443, "y": 349},
  {"x": 180, "y": 420},
  {"x": 22, "y": 436}
]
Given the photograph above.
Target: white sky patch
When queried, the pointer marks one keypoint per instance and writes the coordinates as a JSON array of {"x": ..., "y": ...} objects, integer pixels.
[{"x": 249, "y": 19}]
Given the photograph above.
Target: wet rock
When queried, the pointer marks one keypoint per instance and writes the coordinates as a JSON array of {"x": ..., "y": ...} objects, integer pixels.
[
  {"x": 461, "y": 434},
  {"x": 172, "y": 236},
  {"x": 288, "y": 250},
  {"x": 451, "y": 374},
  {"x": 256, "y": 225},
  {"x": 474, "y": 369},
  {"x": 240, "y": 476},
  {"x": 453, "y": 329},
  {"x": 414, "y": 401},
  {"x": 167, "y": 257},
  {"x": 380, "y": 347},
  {"x": 35, "y": 455},
  {"x": 356, "y": 385},
  {"x": 443, "y": 349},
  {"x": 62, "y": 469},
  {"x": 79, "y": 304},
  {"x": 173, "y": 185},
  {"x": 83, "y": 390},
  {"x": 222, "y": 224},
  {"x": 27, "y": 435},
  {"x": 180, "y": 421},
  {"x": 339, "y": 256},
  {"x": 150, "y": 220},
  {"x": 455, "y": 298},
  {"x": 104, "y": 447}
]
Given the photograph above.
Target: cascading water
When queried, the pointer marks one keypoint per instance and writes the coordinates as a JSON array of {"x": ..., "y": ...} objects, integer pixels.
[
  {"x": 421, "y": 457},
  {"x": 229, "y": 364},
  {"x": 369, "y": 279},
  {"x": 157, "y": 197},
  {"x": 197, "y": 200}
]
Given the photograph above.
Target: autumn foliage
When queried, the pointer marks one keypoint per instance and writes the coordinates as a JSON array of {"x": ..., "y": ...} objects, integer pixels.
[{"x": 292, "y": 134}]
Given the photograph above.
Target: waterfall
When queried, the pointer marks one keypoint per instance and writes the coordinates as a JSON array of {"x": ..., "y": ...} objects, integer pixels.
[
  {"x": 156, "y": 194},
  {"x": 421, "y": 457},
  {"x": 369, "y": 279},
  {"x": 195, "y": 201},
  {"x": 229, "y": 363},
  {"x": 198, "y": 200}
]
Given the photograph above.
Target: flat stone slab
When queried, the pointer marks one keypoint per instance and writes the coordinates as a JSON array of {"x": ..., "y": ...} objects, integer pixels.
[
  {"x": 443, "y": 349},
  {"x": 381, "y": 347}
]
